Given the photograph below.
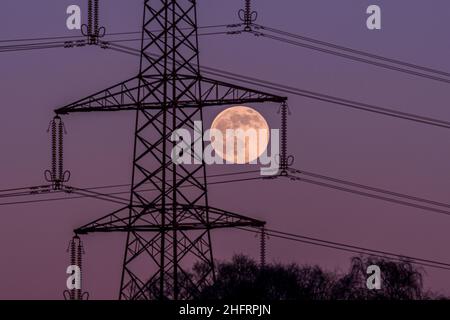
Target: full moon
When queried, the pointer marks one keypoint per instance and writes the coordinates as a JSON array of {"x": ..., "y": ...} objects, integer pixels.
[{"x": 244, "y": 119}]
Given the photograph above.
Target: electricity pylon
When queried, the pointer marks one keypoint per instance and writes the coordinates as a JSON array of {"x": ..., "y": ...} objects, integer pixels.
[{"x": 167, "y": 224}]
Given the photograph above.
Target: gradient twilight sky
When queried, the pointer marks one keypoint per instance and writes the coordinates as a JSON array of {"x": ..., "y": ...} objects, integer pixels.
[{"x": 394, "y": 154}]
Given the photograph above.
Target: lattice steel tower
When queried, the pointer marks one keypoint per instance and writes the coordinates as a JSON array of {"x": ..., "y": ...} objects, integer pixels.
[{"x": 167, "y": 225}]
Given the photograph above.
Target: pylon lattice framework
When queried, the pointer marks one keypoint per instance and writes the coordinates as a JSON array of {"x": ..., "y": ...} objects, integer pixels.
[{"x": 167, "y": 230}]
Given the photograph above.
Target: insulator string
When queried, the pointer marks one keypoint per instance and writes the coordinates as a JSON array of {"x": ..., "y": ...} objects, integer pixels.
[
  {"x": 60, "y": 152},
  {"x": 263, "y": 248},
  {"x": 56, "y": 175},
  {"x": 89, "y": 26},
  {"x": 76, "y": 250},
  {"x": 54, "y": 147},
  {"x": 80, "y": 265},
  {"x": 73, "y": 262},
  {"x": 96, "y": 18},
  {"x": 248, "y": 16},
  {"x": 285, "y": 160}
]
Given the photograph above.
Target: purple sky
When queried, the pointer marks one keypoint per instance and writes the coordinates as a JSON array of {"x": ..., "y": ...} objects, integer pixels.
[{"x": 357, "y": 146}]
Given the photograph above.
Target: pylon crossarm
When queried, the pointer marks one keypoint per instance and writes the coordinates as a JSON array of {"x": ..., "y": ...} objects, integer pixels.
[
  {"x": 193, "y": 218},
  {"x": 120, "y": 97},
  {"x": 219, "y": 217},
  {"x": 113, "y": 219},
  {"x": 216, "y": 92},
  {"x": 124, "y": 96}
]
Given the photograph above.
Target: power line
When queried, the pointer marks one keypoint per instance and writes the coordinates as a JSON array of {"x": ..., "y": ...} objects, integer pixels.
[
  {"x": 40, "y": 187},
  {"x": 370, "y": 195},
  {"x": 42, "y": 39},
  {"x": 357, "y": 189},
  {"x": 354, "y": 51},
  {"x": 112, "y": 45},
  {"x": 273, "y": 233},
  {"x": 269, "y": 232},
  {"x": 97, "y": 195},
  {"x": 331, "y": 50},
  {"x": 280, "y": 234},
  {"x": 47, "y": 188},
  {"x": 362, "y": 186},
  {"x": 306, "y": 93},
  {"x": 71, "y": 41},
  {"x": 82, "y": 193},
  {"x": 108, "y": 34},
  {"x": 32, "y": 47},
  {"x": 352, "y": 248},
  {"x": 357, "y": 247},
  {"x": 328, "y": 98},
  {"x": 254, "y": 81}
]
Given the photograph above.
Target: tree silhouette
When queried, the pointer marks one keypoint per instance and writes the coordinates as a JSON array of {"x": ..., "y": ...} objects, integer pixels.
[
  {"x": 399, "y": 281},
  {"x": 242, "y": 278}
]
